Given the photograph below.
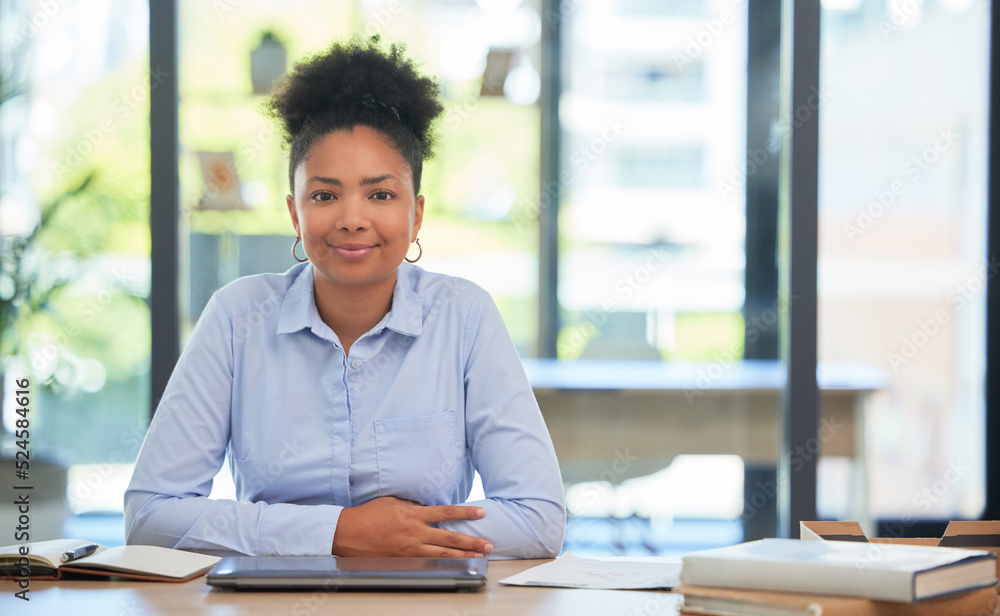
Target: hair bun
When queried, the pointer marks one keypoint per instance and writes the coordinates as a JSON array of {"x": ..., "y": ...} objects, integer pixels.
[{"x": 352, "y": 73}]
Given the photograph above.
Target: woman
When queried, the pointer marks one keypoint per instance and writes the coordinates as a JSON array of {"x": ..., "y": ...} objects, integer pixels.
[{"x": 355, "y": 394}]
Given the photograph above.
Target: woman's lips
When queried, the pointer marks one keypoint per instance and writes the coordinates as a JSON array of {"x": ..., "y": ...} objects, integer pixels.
[{"x": 353, "y": 251}]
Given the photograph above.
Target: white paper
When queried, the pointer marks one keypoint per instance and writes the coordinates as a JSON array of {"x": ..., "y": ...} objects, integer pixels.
[{"x": 568, "y": 571}]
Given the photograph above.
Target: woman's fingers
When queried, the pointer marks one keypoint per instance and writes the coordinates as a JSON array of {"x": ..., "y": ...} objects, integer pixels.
[
  {"x": 443, "y": 513},
  {"x": 450, "y": 539},
  {"x": 458, "y": 541},
  {"x": 389, "y": 526}
]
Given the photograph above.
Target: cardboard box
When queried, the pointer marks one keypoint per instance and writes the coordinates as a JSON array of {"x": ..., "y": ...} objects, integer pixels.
[{"x": 972, "y": 535}]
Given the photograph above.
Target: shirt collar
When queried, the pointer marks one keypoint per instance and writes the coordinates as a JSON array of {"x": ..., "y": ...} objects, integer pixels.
[
  {"x": 298, "y": 311},
  {"x": 406, "y": 315}
]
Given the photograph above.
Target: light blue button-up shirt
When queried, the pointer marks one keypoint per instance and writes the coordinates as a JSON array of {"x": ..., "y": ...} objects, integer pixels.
[{"x": 433, "y": 392}]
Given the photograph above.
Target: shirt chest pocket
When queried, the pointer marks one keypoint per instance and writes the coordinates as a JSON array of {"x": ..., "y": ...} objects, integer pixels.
[{"x": 418, "y": 457}]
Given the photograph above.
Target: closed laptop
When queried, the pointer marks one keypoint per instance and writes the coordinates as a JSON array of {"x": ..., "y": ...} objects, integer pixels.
[{"x": 342, "y": 572}]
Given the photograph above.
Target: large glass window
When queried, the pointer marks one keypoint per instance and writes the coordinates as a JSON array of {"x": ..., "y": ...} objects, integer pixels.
[
  {"x": 653, "y": 123},
  {"x": 651, "y": 268},
  {"x": 74, "y": 213},
  {"x": 902, "y": 239}
]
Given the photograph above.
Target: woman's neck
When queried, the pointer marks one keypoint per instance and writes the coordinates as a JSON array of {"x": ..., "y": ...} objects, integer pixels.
[{"x": 351, "y": 311}]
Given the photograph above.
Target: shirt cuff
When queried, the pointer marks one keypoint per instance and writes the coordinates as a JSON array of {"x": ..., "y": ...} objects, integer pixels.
[{"x": 298, "y": 530}]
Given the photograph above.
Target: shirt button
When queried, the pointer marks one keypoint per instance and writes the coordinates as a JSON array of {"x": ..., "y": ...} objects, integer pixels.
[{"x": 355, "y": 364}]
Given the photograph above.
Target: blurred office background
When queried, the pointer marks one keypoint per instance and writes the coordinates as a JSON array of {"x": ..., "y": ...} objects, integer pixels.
[{"x": 652, "y": 226}]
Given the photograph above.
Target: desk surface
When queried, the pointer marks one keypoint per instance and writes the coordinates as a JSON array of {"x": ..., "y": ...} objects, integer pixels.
[{"x": 127, "y": 598}]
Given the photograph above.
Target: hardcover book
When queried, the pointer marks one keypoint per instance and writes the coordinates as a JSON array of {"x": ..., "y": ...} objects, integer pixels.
[
  {"x": 877, "y": 571},
  {"x": 714, "y": 601}
]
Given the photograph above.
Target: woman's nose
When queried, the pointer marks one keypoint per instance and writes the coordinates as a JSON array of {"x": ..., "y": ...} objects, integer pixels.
[{"x": 353, "y": 215}]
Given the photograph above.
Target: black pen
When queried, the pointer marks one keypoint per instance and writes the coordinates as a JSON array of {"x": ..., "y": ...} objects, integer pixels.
[{"x": 80, "y": 552}]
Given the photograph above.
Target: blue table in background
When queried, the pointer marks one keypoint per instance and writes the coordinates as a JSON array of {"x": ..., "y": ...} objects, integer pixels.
[{"x": 597, "y": 410}]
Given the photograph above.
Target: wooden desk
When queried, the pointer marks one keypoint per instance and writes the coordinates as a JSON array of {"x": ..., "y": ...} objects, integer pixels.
[
  {"x": 125, "y": 598},
  {"x": 612, "y": 420}
]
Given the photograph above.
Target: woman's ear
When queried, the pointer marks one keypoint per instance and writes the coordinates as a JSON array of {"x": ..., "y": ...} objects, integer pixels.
[
  {"x": 290, "y": 202},
  {"x": 418, "y": 217}
]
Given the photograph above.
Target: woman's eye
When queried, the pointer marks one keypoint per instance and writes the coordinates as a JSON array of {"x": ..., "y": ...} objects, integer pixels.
[
  {"x": 323, "y": 196},
  {"x": 382, "y": 195}
]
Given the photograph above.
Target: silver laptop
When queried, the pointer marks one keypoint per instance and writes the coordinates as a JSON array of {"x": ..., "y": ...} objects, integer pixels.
[{"x": 343, "y": 573}]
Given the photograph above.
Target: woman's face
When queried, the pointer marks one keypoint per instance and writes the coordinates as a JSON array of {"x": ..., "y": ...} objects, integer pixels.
[{"x": 354, "y": 208}]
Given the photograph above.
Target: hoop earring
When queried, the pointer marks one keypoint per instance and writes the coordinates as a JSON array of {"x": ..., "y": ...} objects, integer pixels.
[
  {"x": 298, "y": 240},
  {"x": 419, "y": 254}
]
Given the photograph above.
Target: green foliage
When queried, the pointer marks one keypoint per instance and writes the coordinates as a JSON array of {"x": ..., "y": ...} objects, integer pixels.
[{"x": 66, "y": 298}]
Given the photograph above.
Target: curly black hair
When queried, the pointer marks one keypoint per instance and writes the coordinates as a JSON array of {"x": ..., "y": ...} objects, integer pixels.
[{"x": 357, "y": 83}]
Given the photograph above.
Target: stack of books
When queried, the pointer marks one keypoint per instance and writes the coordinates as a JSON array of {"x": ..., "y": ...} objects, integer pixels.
[{"x": 790, "y": 577}]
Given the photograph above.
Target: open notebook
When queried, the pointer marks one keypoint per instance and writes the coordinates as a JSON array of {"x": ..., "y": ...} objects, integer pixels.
[{"x": 143, "y": 562}]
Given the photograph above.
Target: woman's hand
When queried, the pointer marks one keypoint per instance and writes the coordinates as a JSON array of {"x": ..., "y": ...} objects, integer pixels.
[{"x": 388, "y": 526}]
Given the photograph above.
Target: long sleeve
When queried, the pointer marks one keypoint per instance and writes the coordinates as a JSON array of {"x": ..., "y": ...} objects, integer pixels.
[
  {"x": 510, "y": 446},
  {"x": 167, "y": 501}
]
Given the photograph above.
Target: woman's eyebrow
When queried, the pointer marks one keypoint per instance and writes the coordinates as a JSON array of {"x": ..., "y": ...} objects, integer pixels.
[
  {"x": 364, "y": 181},
  {"x": 380, "y": 178},
  {"x": 325, "y": 180}
]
